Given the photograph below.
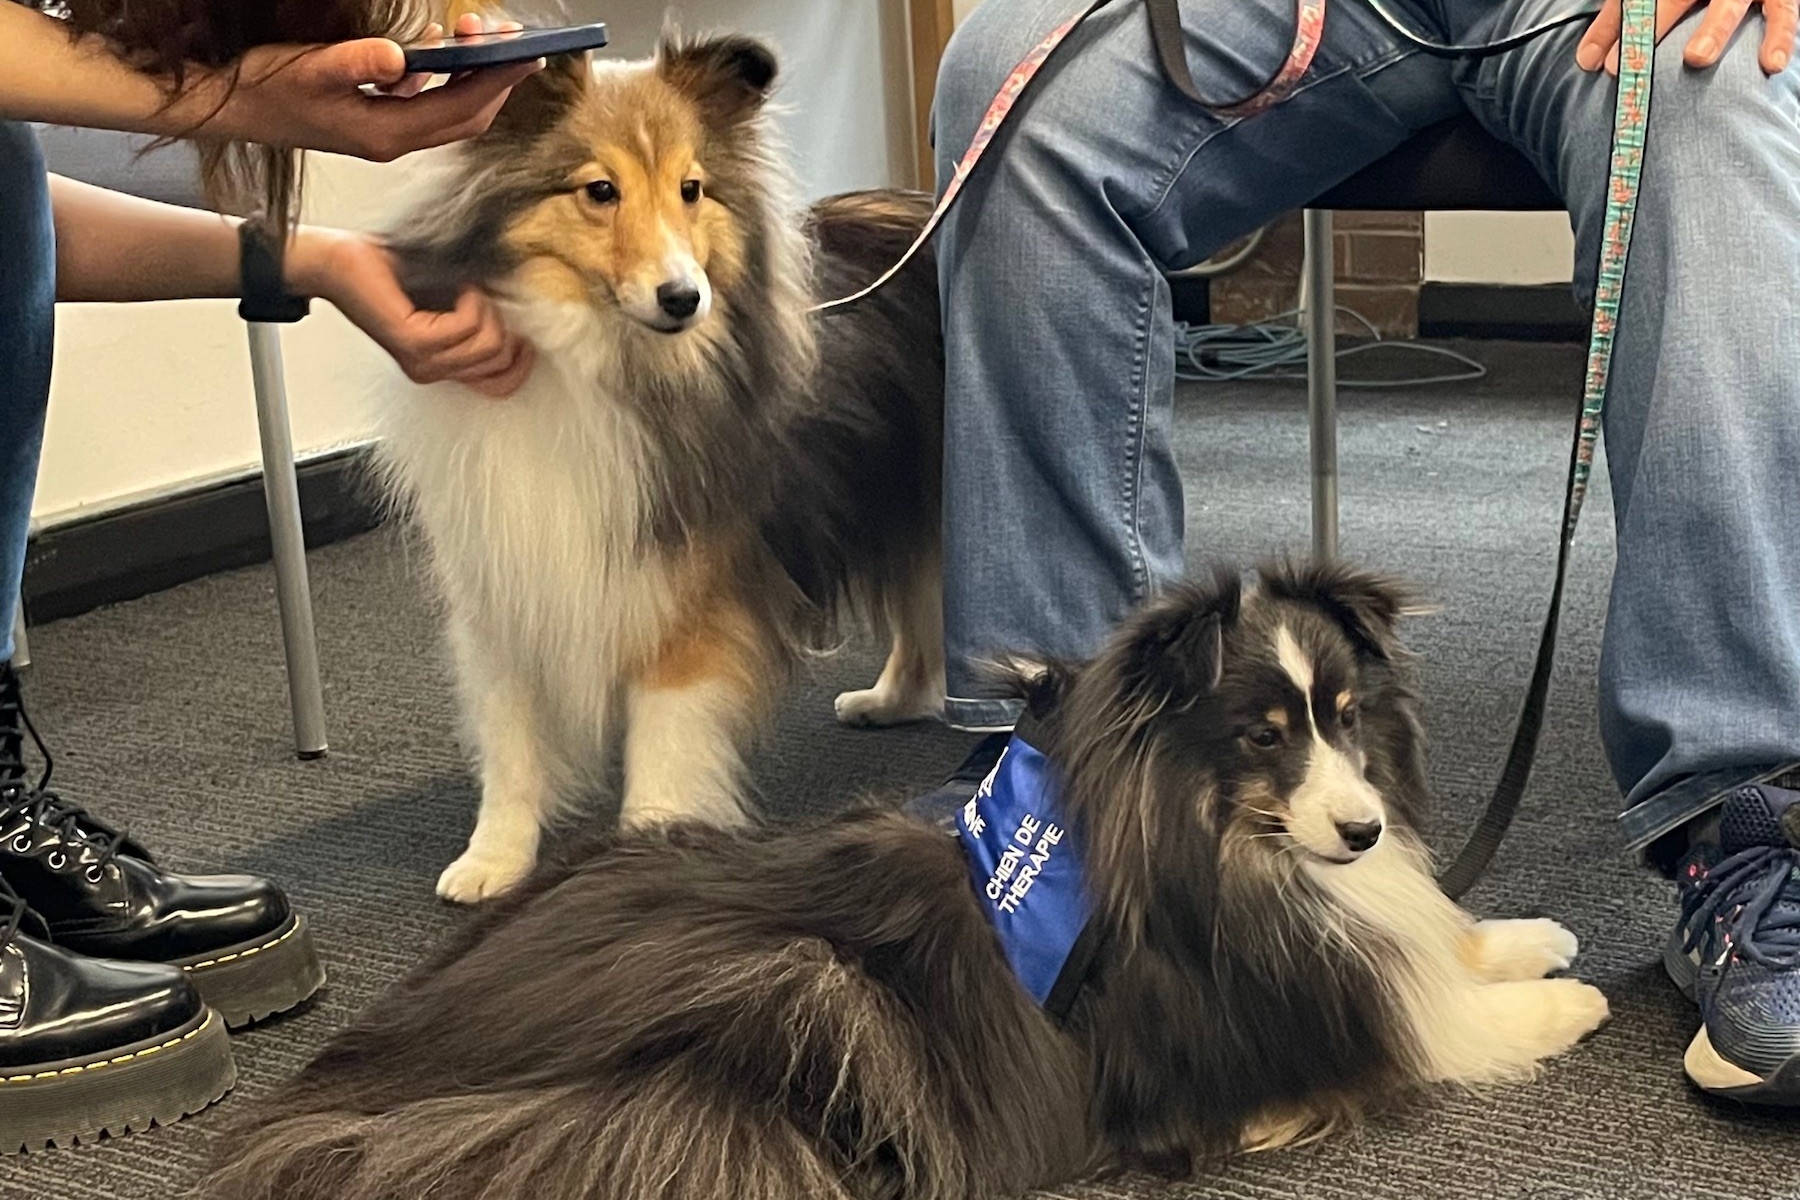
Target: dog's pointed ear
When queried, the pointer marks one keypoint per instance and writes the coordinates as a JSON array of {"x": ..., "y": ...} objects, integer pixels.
[
  {"x": 1174, "y": 649},
  {"x": 729, "y": 77},
  {"x": 1368, "y": 606},
  {"x": 541, "y": 99}
]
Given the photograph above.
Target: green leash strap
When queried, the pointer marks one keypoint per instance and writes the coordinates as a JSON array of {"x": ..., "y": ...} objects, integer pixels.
[{"x": 1631, "y": 119}]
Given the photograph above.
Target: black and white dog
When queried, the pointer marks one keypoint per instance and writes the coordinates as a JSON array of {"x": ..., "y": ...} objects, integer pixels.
[{"x": 693, "y": 1014}]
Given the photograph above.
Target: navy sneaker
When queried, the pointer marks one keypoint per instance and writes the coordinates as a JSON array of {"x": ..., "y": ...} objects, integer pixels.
[{"x": 1737, "y": 949}]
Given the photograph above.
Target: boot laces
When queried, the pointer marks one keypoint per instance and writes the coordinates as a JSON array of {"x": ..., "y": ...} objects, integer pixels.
[
  {"x": 17, "y": 912},
  {"x": 35, "y": 801}
]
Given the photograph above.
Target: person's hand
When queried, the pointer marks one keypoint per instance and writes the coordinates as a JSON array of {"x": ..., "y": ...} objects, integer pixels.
[
  {"x": 1781, "y": 21},
  {"x": 312, "y": 97},
  {"x": 469, "y": 345}
]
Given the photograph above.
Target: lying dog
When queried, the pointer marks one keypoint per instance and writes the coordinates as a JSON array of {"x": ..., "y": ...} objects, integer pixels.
[
  {"x": 699, "y": 478},
  {"x": 694, "y": 1014}
]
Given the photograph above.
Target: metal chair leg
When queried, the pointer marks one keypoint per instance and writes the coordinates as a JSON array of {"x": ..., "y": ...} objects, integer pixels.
[
  {"x": 281, "y": 490},
  {"x": 1321, "y": 381},
  {"x": 21, "y": 656}
]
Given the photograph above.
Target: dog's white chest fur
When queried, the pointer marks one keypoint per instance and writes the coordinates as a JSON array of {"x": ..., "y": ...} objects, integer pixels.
[{"x": 534, "y": 507}]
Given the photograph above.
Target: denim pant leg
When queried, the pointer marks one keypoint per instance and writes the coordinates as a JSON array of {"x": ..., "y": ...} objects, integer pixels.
[
  {"x": 1700, "y": 670},
  {"x": 1062, "y": 505},
  {"x": 27, "y": 316}
]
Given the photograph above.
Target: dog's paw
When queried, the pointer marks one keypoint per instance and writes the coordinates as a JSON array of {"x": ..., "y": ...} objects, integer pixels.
[
  {"x": 1503, "y": 1031},
  {"x": 879, "y": 706},
  {"x": 1524, "y": 949},
  {"x": 477, "y": 877},
  {"x": 1571, "y": 1010}
]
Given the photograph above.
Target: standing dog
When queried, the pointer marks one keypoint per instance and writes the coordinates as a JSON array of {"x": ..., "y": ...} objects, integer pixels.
[
  {"x": 698, "y": 477},
  {"x": 696, "y": 1014}
]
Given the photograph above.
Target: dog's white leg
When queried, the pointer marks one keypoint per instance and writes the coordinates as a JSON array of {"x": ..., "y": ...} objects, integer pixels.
[
  {"x": 518, "y": 789},
  {"x": 1523, "y": 949},
  {"x": 688, "y": 715},
  {"x": 911, "y": 686},
  {"x": 682, "y": 756},
  {"x": 1495, "y": 1031}
]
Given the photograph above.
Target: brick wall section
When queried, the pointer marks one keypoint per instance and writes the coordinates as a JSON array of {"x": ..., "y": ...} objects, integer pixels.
[{"x": 1380, "y": 259}]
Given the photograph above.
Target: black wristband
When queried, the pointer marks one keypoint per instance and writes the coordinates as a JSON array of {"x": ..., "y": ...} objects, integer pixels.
[{"x": 265, "y": 298}]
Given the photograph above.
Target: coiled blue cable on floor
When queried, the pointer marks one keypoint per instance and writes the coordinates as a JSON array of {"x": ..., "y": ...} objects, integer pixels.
[{"x": 1273, "y": 349}]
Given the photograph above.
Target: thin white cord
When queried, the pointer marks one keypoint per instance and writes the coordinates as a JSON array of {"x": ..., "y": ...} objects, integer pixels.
[{"x": 1223, "y": 353}]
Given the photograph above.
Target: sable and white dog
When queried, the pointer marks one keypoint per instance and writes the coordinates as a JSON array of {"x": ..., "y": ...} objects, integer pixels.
[{"x": 699, "y": 478}]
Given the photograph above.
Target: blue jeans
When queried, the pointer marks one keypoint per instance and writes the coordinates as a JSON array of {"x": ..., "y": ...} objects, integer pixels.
[
  {"x": 27, "y": 325},
  {"x": 1062, "y": 505}
]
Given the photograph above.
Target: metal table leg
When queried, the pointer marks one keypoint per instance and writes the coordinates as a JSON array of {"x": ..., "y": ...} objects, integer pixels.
[{"x": 1321, "y": 381}]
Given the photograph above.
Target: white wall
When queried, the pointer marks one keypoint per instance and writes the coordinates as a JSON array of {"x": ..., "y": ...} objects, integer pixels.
[
  {"x": 150, "y": 398},
  {"x": 1504, "y": 248}
]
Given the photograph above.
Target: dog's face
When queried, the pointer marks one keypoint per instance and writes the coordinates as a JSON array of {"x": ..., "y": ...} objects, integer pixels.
[
  {"x": 641, "y": 229},
  {"x": 1222, "y": 731},
  {"x": 613, "y": 183},
  {"x": 1278, "y": 731}
]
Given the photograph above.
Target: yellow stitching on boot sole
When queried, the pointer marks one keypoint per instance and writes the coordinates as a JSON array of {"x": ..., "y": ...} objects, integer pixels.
[
  {"x": 123, "y": 1058},
  {"x": 225, "y": 958}
]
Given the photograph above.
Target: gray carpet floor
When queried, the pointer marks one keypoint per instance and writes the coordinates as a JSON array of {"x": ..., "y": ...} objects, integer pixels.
[{"x": 170, "y": 714}]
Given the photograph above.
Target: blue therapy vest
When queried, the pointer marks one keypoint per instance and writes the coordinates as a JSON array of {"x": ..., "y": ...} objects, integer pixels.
[{"x": 1027, "y": 873}]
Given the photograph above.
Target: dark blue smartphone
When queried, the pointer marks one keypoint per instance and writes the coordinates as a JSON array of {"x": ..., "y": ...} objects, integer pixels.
[{"x": 449, "y": 55}]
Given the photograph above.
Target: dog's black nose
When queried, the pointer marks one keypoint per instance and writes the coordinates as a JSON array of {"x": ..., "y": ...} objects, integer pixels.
[
  {"x": 679, "y": 300},
  {"x": 1359, "y": 835}
]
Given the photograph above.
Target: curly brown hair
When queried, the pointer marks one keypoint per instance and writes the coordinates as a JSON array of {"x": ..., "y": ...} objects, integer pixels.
[{"x": 171, "y": 39}]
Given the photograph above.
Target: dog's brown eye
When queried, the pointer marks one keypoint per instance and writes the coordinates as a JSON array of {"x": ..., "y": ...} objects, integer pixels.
[
  {"x": 1263, "y": 737},
  {"x": 690, "y": 192},
  {"x": 603, "y": 191},
  {"x": 1347, "y": 716}
]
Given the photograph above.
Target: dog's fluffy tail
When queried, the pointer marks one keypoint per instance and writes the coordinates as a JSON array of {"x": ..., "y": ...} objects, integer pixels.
[{"x": 569, "y": 1142}]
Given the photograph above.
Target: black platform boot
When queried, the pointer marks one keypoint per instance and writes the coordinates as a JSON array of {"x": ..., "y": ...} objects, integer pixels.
[
  {"x": 100, "y": 893},
  {"x": 89, "y": 1046}
]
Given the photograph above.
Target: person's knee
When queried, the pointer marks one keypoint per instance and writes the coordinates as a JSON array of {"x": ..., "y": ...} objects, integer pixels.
[
  {"x": 1719, "y": 120},
  {"x": 1720, "y": 142}
]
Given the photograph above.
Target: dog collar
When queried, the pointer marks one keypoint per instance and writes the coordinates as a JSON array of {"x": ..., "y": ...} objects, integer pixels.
[{"x": 1027, "y": 871}]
